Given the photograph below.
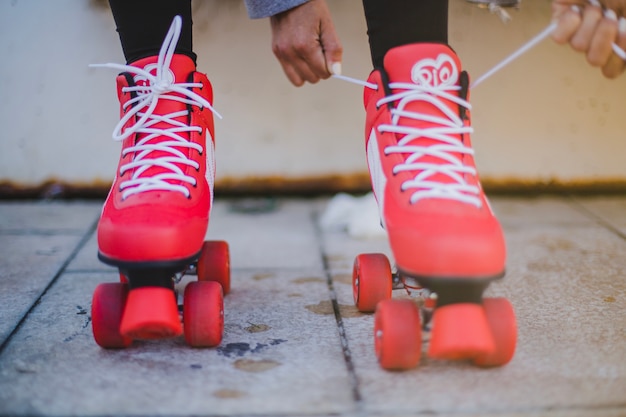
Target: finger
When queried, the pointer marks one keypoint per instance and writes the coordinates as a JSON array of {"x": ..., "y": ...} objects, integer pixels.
[
  {"x": 292, "y": 58},
  {"x": 282, "y": 54},
  {"x": 306, "y": 57},
  {"x": 292, "y": 75},
  {"x": 333, "y": 51},
  {"x": 568, "y": 23},
  {"x": 600, "y": 48},
  {"x": 616, "y": 5},
  {"x": 312, "y": 63},
  {"x": 616, "y": 65},
  {"x": 559, "y": 6},
  {"x": 307, "y": 72},
  {"x": 581, "y": 41}
]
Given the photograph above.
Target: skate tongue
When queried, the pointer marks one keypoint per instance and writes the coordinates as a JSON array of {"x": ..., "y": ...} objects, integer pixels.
[
  {"x": 436, "y": 68},
  {"x": 177, "y": 72},
  {"x": 429, "y": 64}
]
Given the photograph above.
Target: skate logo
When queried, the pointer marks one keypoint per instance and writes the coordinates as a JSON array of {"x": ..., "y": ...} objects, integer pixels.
[{"x": 435, "y": 72}]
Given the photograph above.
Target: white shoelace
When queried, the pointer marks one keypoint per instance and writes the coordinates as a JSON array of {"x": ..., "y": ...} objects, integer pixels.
[
  {"x": 540, "y": 37},
  {"x": 448, "y": 148},
  {"x": 459, "y": 189},
  {"x": 147, "y": 97},
  {"x": 446, "y": 132}
]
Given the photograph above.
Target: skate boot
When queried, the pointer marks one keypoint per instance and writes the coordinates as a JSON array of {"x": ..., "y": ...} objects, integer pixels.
[
  {"x": 156, "y": 215},
  {"x": 442, "y": 232}
]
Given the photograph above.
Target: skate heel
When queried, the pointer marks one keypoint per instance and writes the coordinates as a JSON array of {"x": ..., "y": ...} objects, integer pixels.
[
  {"x": 461, "y": 331},
  {"x": 151, "y": 313}
]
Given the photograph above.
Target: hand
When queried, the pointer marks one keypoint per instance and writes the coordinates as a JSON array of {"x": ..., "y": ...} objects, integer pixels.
[
  {"x": 305, "y": 42},
  {"x": 591, "y": 28}
]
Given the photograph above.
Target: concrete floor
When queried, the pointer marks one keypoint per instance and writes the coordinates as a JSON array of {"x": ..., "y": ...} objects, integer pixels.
[{"x": 294, "y": 344}]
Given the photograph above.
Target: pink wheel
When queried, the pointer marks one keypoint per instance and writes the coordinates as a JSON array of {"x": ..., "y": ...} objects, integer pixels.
[
  {"x": 398, "y": 335},
  {"x": 371, "y": 281},
  {"x": 503, "y": 324},
  {"x": 203, "y": 314},
  {"x": 214, "y": 264},
  {"x": 107, "y": 308}
]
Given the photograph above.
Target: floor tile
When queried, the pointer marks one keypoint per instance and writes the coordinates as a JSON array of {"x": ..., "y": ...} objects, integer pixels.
[
  {"x": 280, "y": 355},
  {"x": 28, "y": 265},
  {"x": 267, "y": 233},
  {"x": 284, "y": 350},
  {"x": 36, "y": 238},
  {"x": 610, "y": 211},
  {"x": 47, "y": 217},
  {"x": 564, "y": 280}
]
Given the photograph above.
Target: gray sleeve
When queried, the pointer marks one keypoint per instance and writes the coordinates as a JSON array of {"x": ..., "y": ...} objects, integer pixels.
[{"x": 265, "y": 8}]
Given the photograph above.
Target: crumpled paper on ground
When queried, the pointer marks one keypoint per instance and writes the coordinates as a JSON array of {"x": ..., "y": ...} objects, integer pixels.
[{"x": 356, "y": 215}]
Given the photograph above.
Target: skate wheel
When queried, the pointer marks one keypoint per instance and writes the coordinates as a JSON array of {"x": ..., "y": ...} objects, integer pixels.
[
  {"x": 151, "y": 313},
  {"x": 502, "y": 322},
  {"x": 397, "y": 335},
  {"x": 203, "y": 314},
  {"x": 460, "y": 331},
  {"x": 371, "y": 281},
  {"x": 107, "y": 308},
  {"x": 214, "y": 264}
]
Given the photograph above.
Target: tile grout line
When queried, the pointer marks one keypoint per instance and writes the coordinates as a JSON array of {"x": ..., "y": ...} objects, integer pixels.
[
  {"x": 347, "y": 354},
  {"x": 598, "y": 219},
  {"x": 39, "y": 232},
  {"x": 81, "y": 243}
]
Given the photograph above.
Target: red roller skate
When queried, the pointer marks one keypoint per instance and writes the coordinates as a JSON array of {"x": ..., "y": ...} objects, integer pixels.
[
  {"x": 156, "y": 215},
  {"x": 442, "y": 232}
]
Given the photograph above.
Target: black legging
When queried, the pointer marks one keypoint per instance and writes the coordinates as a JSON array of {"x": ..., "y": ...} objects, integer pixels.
[
  {"x": 393, "y": 23},
  {"x": 142, "y": 25}
]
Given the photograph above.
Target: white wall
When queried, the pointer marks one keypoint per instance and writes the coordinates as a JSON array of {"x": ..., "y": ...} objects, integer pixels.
[{"x": 548, "y": 116}]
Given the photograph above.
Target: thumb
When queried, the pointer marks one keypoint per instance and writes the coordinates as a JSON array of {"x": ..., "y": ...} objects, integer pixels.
[{"x": 333, "y": 51}]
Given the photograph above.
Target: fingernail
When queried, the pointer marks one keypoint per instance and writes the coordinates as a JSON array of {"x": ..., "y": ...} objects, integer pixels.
[
  {"x": 595, "y": 3},
  {"x": 610, "y": 14},
  {"x": 576, "y": 9},
  {"x": 621, "y": 26},
  {"x": 336, "y": 68}
]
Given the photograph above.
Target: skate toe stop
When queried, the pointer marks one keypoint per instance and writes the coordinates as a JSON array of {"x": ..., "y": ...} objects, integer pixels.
[{"x": 151, "y": 313}]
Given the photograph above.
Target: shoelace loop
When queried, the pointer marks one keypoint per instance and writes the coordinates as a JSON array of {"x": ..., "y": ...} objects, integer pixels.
[
  {"x": 448, "y": 148},
  {"x": 446, "y": 132},
  {"x": 158, "y": 86}
]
